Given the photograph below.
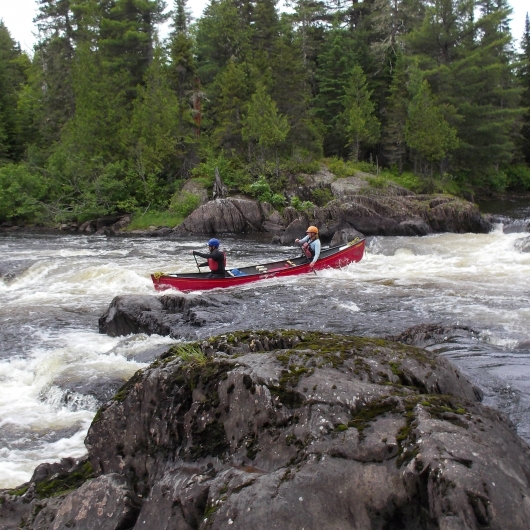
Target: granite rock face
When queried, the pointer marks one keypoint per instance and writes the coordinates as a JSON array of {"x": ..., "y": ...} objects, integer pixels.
[
  {"x": 294, "y": 430},
  {"x": 392, "y": 214}
]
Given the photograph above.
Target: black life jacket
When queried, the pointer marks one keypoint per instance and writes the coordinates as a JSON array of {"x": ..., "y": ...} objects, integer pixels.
[{"x": 214, "y": 265}]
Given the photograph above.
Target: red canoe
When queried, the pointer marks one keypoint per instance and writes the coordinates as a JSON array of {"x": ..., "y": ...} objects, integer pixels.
[{"x": 330, "y": 258}]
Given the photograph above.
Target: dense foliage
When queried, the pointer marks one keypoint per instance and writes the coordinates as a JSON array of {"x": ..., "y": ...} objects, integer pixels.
[{"x": 105, "y": 118}]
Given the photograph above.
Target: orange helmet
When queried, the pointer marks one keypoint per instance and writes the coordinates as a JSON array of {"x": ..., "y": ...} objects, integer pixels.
[{"x": 312, "y": 230}]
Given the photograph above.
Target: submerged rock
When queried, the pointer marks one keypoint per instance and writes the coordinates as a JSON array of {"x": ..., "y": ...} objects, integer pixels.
[{"x": 293, "y": 430}]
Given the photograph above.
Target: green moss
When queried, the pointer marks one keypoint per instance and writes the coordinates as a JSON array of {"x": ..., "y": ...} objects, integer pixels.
[
  {"x": 341, "y": 428},
  {"x": 371, "y": 411},
  {"x": 18, "y": 491},
  {"x": 65, "y": 483}
]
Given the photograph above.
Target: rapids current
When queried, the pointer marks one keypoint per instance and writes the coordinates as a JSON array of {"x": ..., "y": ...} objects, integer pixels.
[{"x": 51, "y": 351}]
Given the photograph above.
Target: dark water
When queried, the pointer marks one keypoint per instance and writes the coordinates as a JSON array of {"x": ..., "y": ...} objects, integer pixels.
[{"x": 51, "y": 352}]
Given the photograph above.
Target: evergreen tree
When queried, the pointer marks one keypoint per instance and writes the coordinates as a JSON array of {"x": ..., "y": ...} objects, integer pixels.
[
  {"x": 54, "y": 59},
  {"x": 234, "y": 89},
  {"x": 291, "y": 89},
  {"x": 127, "y": 31},
  {"x": 393, "y": 140},
  {"x": 335, "y": 64},
  {"x": 223, "y": 34},
  {"x": 13, "y": 67},
  {"x": 524, "y": 77},
  {"x": 263, "y": 124},
  {"x": 157, "y": 139},
  {"x": 428, "y": 134},
  {"x": 182, "y": 62},
  {"x": 361, "y": 124},
  {"x": 468, "y": 69}
]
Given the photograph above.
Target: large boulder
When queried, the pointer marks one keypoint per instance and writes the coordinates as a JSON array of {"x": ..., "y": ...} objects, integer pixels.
[
  {"x": 223, "y": 216},
  {"x": 175, "y": 315},
  {"x": 294, "y": 430}
]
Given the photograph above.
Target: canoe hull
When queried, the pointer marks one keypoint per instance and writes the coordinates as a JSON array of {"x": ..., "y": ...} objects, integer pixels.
[{"x": 334, "y": 258}]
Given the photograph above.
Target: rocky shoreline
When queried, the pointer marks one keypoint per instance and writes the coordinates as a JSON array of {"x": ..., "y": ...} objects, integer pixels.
[{"x": 288, "y": 429}]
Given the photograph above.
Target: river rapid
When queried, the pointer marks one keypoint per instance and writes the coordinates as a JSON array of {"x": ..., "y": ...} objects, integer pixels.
[{"x": 50, "y": 348}]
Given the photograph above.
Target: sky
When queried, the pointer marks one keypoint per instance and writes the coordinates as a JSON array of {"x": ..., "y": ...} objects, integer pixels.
[{"x": 18, "y": 16}]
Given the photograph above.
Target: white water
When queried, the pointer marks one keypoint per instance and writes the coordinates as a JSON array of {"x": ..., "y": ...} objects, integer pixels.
[{"x": 51, "y": 351}]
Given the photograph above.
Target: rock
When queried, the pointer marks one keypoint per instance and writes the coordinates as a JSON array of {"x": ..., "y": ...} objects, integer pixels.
[
  {"x": 522, "y": 244},
  {"x": 516, "y": 226},
  {"x": 295, "y": 230},
  {"x": 298, "y": 429},
  {"x": 347, "y": 187},
  {"x": 223, "y": 216},
  {"x": 10, "y": 270},
  {"x": 175, "y": 315},
  {"x": 322, "y": 431},
  {"x": 345, "y": 236},
  {"x": 196, "y": 188}
]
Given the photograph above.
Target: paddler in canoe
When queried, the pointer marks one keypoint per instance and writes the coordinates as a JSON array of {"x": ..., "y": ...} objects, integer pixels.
[
  {"x": 216, "y": 259},
  {"x": 310, "y": 245}
]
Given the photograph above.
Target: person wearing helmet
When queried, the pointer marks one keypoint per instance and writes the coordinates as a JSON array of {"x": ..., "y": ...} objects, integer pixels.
[
  {"x": 310, "y": 245},
  {"x": 216, "y": 259}
]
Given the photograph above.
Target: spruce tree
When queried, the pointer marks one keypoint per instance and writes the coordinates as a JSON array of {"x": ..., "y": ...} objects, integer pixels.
[
  {"x": 336, "y": 62},
  {"x": 393, "y": 137},
  {"x": 182, "y": 62},
  {"x": 13, "y": 66},
  {"x": 263, "y": 125},
  {"x": 524, "y": 77},
  {"x": 427, "y": 132},
  {"x": 358, "y": 115},
  {"x": 468, "y": 67}
]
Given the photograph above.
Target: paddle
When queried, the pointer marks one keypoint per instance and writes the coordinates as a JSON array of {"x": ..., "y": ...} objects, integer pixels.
[{"x": 198, "y": 268}]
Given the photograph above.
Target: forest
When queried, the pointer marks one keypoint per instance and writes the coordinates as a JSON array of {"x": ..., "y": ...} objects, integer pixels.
[{"x": 108, "y": 117}]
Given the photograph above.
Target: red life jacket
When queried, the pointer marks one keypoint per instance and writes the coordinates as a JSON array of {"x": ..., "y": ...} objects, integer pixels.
[
  {"x": 306, "y": 249},
  {"x": 214, "y": 265}
]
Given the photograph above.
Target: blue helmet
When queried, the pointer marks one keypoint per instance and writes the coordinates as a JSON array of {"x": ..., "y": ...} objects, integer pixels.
[{"x": 213, "y": 243}]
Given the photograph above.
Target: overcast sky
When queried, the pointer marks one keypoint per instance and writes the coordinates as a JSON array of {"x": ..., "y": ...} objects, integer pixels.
[{"x": 18, "y": 16}]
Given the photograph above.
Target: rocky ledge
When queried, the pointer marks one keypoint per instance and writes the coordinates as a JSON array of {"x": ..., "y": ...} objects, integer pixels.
[{"x": 287, "y": 430}]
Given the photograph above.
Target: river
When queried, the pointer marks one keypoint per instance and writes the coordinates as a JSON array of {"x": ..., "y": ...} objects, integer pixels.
[{"x": 51, "y": 351}]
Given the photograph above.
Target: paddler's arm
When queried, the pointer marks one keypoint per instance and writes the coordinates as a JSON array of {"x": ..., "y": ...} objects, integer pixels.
[{"x": 200, "y": 254}]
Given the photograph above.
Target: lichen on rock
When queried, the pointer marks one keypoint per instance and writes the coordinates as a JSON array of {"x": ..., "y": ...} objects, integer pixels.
[{"x": 292, "y": 429}]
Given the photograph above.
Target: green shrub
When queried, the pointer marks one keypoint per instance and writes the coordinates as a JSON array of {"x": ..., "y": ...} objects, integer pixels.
[
  {"x": 21, "y": 193},
  {"x": 278, "y": 200},
  {"x": 302, "y": 206},
  {"x": 183, "y": 203},
  {"x": 518, "y": 177},
  {"x": 340, "y": 168},
  {"x": 261, "y": 190},
  {"x": 322, "y": 196}
]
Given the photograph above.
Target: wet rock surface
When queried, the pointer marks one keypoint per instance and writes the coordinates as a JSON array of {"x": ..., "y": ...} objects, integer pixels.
[
  {"x": 175, "y": 315},
  {"x": 11, "y": 270},
  {"x": 290, "y": 429}
]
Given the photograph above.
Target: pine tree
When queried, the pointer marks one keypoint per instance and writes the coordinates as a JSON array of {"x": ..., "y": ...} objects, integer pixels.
[
  {"x": 182, "y": 62},
  {"x": 263, "y": 124},
  {"x": 336, "y": 62},
  {"x": 13, "y": 66},
  {"x": 222, "y": 34},
  {"x": 127, "y": 31},
  {"x": 360, "y": 123},
  {"x": 524, "y": 77},
  {"x": 234, "y": 88},
  {"x": 427, "y": 132},
  {"x": 393, "y": 140},
  {"x": 469, "y": 71},
  {"x": 157, "y": 139}
]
